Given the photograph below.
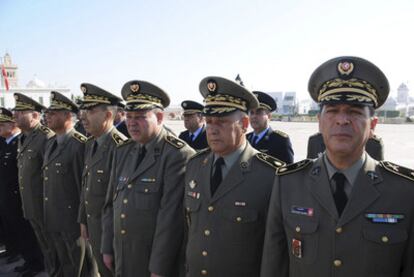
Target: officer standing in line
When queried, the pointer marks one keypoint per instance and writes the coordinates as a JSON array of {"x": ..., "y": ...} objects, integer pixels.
[
  {"x": 100, "y": 108},
  {"x": 143, "y": 215},
  {"x": 272, "y": 142},
  {"x": 20, "y": 235},
  {"x": 227, "y": 188},
  {"x": 374, "y": 147},
  {"x": 343, "y": 214},
  {"x": 194, "y": 122},
  {"x": 119, "y": 121},
  {"x": 62, "y": 171},
  {"x": 32, "y": 143}
]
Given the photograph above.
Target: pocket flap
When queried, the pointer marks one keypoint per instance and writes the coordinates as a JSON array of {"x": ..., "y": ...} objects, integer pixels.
[
  {"x": 301, "y": 225},
  {"x": 241, "y": 215}
]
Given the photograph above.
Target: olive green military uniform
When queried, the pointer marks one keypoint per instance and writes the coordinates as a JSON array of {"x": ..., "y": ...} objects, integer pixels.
[
  {"x": 95, "y": 176},
  {"x": 30, "y": 157},
  {"x": 374, "y": 147},
  {"x": 144, "y": 215},
  {"x": 62, "y": 171},
  {"x": 95, "y": 184},
  {"x": 373, "y": 237},
  {"x": 226, "y": 230}
]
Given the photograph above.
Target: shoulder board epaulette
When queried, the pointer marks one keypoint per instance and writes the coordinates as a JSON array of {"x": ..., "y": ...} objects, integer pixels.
[
  {"x": 200, "y": 152},
  {"x": 272, "y": 161},
  {"x": 376, "y": 138},
  {"x": 126, "y": 142},
  {"x": 398, "y": 170},
  {"x": 119, "y": 139},
  {"x": 46, "y": 130},
  {"x": 79, "y": 137},
  {"x": 283, "y": 134},
  {"x": 174, "y": 141},
  {"x": 290, "y": 168}
]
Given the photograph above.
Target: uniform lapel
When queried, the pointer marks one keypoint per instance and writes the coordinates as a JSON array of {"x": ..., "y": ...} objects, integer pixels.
[
  {"x": 204, "y": 174},
  {"x": 101, "y": 152},
  {"x": 58, "y": 150},
  {"x": 319, "y": 186},
  {"x": 364, "y": 191},
  {"x": 28, "y": 140},
  {"x": 236, "y": 174}
]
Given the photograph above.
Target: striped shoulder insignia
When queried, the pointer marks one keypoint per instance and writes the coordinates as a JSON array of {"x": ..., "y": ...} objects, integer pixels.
[
  {"x": 398, "y": 170},
  {"x": 283, "y": 134},
  {"x": 174, "y": 141},
  {"x": 270, "y": 160},
  {"x": 200, "y": 152},
  {"x": 293, "y": 167},
  {"x": 128, "y": 141},
  {"x": 45, "y": 130},
  {"x": 119, "y": 138},
  {"x": 79, "y": 137}
]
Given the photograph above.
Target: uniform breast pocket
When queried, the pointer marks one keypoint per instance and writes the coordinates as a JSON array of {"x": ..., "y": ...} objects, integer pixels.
[
  {"x": 118, "y": 190},
  {"x": 240, "y": 224},
  {"x": 146, "y": 197},
  {"x": 302, "y": 238},
  {"x": 383, "y": 248},
  {"x": 192, "y": 207},
  {"x": 99, "y": 183}
]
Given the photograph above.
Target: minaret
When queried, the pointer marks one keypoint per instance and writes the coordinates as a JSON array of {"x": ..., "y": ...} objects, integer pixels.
[
  {"x": 11, "y": 72},
  {"x": 402, "y": 94}
]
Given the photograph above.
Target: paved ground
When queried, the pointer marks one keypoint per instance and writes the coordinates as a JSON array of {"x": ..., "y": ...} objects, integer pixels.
[{"x": 6, "y": 270}]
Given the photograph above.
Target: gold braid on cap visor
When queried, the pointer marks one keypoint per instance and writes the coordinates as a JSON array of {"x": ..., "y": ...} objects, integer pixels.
[
  {"x": 225, "y": 100},
  {"x": 265, "y": 106},
  {"x": 353, "y": 89},
  {"x": 24, "y": 106},
  {"x": 144, "y": 99},
  {"x": 5, "y": 118},
  {"x": 88, "y": 98},
  {"x": 59, "y": 105}
]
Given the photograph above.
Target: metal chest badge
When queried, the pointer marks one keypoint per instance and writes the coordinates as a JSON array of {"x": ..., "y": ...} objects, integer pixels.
[
  {"x": 297, "y": 248},
  {"x": 192, "y": 184}
]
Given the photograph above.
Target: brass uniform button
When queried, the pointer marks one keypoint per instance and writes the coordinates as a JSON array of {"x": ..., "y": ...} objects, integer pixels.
[
  {"x": 210, "y": 208},
  {"x": 129, "y": 186},
  {"x": 46, "y": 198},
  {"x": 238, "y": 219},
  {"x": 204, "y": 253},
  {"x": 385, "y": 239},
  {"x": 337, "y": 263},
  {"x": 46, "y": 178},
  {"x": 123, "y": 215},
  {"x": 88, "y": 215},
  {"x": 297, "y": 229},
  {"x": 145, "y": 190},
  {"x": 46, "y": 168},
  {"x": 207, "y": 232},
  {"x": 125, "y": 201},
  {"x": 86, "y": 202},
  {"x": 338, "y": 230},
  {"x": 123, "y": 232},
  {"x": 203, "y": 272}
]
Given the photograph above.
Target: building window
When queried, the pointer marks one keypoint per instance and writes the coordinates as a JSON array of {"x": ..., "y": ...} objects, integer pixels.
[{"x": 41, "y": 100}]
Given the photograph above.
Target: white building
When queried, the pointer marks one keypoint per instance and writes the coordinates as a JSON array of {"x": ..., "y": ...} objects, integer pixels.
[
  {"x": 35, "y": 89},
  {"x": 286, "y": 102}
]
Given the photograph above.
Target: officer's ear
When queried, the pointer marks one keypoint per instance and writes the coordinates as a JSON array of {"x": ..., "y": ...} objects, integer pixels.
[
  {"x": 245, "y": 123},
  {"x": 160, "y": 116},
  {"x": 373, "y": 123}
]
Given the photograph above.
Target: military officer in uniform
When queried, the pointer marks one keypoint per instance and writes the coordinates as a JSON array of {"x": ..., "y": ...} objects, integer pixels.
[
  {"x": 272, "y": 142},
  {"x": 194, "y": 122},
  {"x": 344, "y": 213},
  {"x": 100, "y": 107},
  {"x": 119, "y": 121},
  {"x": 227, "y": 188},
  {"x": 374, "y": 146},
  {"x": 62, "y": 172},
  {"x": 20, "y": 237},
  {"x": 32, "y": 143},
  {"x": 143, "y": 216}
]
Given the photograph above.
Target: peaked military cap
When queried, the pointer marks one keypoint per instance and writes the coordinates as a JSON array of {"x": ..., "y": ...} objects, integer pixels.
[
  {"x": 349, "y": 80},
  {"x": 94, "y": 96},
  {"x": 223, "y": 96},
  {"x": 60, "y": 102},
  {"x": 6, "y": 115},
  {"x": 25, "y": 103},
  {"x": 191, "y": 107},
  {"x": 142, "y": 95},
  {"x": 265, "y": 101}
]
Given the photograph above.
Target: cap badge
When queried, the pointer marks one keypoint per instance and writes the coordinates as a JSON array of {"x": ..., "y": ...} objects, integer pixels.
[
  {"x": 345, "y": 68},
  {"x": 84, "y": 89},
  {"x": 212, "y": 86},
  {"x": 134, "y": 87},
  {"x": 185, "y": 105}
]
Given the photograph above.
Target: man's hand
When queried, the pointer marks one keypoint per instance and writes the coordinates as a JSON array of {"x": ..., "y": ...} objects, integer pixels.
[
  {"x": 84, "y": 231},
  {"x": 108, "y": 261}
]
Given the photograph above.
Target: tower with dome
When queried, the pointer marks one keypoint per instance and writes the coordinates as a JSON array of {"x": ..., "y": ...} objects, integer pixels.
[{"x": 37, "y": 89}]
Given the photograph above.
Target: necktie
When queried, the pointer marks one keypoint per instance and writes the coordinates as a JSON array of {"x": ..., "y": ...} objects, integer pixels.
[
  {"x": 217, "y": 175},
  {"x": 54, "y": 146},
  {"x": 191, "y": 137},
  {"x": 339, "y": 194},
  {"x": 141, "y": 155},
  {"x": 254, "y": 139},
  {"x": 22, "y": 138},
  {"x": 94, "y": 147}
]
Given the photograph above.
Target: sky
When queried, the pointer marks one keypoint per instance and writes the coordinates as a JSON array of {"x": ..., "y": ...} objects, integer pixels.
[{"x": 273, "y": 45}]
